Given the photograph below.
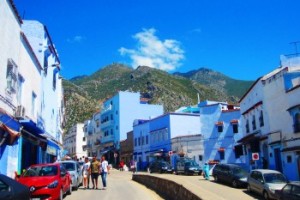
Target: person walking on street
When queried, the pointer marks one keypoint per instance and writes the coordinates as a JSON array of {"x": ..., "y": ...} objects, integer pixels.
[
  {"x": 105, "y": 171},
  {"x": 86, "y": 172},
  {"x": 206, "y": 171},
  {"x": 95, "y": 172}
]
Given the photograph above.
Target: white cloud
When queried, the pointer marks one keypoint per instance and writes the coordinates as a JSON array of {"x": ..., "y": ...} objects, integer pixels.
[
  {"x": 153, "y": 52},
  {"x": 76, "y": 39}
]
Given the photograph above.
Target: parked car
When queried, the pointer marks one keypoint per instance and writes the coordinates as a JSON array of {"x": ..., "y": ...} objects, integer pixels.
[
  {"x": 11, "y": 189},
  {"x": 265, "y": 182},
  {"x": 160, "y": 166},
  {"x": 47, "y": 181},
  {"x": 291, "y": 191},
  {"x": 73, "y": 167},
  {"x": 188, "y": 167},
  {"x": 231, "y": 174}
]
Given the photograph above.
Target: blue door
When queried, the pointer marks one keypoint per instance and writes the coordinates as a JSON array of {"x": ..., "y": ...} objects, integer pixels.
[{"x": 278, "y": 164}]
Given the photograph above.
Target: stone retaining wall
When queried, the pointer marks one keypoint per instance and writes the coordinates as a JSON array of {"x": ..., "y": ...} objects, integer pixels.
[{"x": 165, "y": 188}]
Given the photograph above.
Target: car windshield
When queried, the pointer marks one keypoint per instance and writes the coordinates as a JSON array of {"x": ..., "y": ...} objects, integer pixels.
[
  {"x": 239, "y": 171},
  {"x": 41, "y": 171},
  {"x": 69, "y": 166},
  {"x": 274, "y": 178}
]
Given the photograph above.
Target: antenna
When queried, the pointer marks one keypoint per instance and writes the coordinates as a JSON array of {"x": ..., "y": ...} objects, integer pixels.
[{"x": 296, "y": 46}]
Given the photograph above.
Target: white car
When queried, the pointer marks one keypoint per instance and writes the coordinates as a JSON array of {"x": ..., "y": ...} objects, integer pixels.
[
  {"x": 75, "y": 171},
  {"x": 265, "y": 182}
]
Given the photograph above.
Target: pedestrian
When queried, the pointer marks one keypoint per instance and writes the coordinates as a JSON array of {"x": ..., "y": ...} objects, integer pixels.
[
  {"x": 132, "y": 166},
  {"x": 121, "y": 165},
  {"x": 105, "y": 171},
  {"x": 95, "y": 164},
  {"x": 206, "y": 171},
  {"x": 86, "y": 173}
]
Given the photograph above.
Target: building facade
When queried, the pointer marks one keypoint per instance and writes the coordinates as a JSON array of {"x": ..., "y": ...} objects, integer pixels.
[
  {"x": 221, "y": 128},
  {"x": 152, "y": 138},
  {"x": 74, "y": 142},
  {"x": 22, "y": 134},
  {"x": 273, "y": 131},
  {"x": 117, "y": 116}
]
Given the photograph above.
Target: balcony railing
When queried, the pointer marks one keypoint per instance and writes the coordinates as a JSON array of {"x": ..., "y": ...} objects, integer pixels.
[{"x": 106, "y": 124}]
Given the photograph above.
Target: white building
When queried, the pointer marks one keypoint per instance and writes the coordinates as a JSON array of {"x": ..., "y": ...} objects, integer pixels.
[
  {"x": 74, "y": 140},
  {"x": 270, "y": 111}
]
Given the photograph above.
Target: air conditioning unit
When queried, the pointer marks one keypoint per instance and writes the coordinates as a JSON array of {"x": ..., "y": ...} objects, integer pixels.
[{"x": 20, "y": 112}]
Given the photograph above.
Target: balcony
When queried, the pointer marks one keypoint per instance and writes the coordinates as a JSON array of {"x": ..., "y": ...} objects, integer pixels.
[
  {"x": 107, "y": 124},
  {"x": 106, "y": 109}
]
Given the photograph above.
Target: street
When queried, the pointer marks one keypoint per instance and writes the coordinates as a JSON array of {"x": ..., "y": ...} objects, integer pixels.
[{"x": 121, "y": 186}]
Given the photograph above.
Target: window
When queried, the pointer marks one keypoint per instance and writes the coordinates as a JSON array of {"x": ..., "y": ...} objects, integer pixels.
[
  {"x": 135, "y": 141},
  {"x": 289, "y": 159},
  {"x": 11, "y": 76},
  {"x": 111, "y": 131},
  {"x": 222, "y": 155},
  {"x": 220, "y": 128},
  {"x": 97, "y": 123},
  {"x": 111, "y": 117},
  {"x": 33, "y": 103},
  {"x": 200, "y": 157},
  {"x": 235, "y": 128},
  {"x": 147, "y": 139},
  {"x": 261, "y": 119},
  {"x": 139, "y": 141},
  {"x": 247, "y": 126},
  {"x": 20, "y": 89},
  {"x": 55, "y": 71},
  {"x": 297, "y": 123},
  {"x": 83, "y": 139},
  {"x": 142, "y": 140},
  {"x": 253, "y": 122}
]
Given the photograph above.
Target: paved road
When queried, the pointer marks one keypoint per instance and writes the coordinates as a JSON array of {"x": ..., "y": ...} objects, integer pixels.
[{"x": 120, "y": 186}]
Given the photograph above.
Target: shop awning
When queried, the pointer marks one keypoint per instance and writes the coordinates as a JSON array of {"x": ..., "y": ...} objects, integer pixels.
[
  {"x": 249, "y": 138},
  {"x": 31, "y": 127},
  {"x": 10, "y": 122},
  {"x": 10, "y": 129}
]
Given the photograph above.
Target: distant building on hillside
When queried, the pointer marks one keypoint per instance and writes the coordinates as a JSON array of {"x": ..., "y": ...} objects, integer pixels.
[
  {"x": 74, "y": 141},
  {"x": 117, "y": 116}
]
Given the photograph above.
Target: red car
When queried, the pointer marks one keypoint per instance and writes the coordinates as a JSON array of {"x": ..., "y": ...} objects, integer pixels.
[{"x": 47, "y": 181}]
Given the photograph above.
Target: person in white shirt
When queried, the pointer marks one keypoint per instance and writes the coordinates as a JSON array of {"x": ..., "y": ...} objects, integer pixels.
[
  {"x": 86, "y": 172},
  {"x": 105, "y": 171}
]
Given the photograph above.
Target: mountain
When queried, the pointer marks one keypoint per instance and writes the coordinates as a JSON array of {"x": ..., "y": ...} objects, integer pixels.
[
  {"x": 84, "y": 94},
  {"x": 231, "y": 87}
]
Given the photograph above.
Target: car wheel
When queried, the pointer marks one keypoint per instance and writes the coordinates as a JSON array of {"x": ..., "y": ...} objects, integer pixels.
[
  {"x": 61, "y": 194},
  {"x": 216, "y": 178},
  {"x": 70, "y": 190},
  {"x": 234, "y": 184},
  {"x": 266, "y": 196},
  {"x": 249, "y": 188}
]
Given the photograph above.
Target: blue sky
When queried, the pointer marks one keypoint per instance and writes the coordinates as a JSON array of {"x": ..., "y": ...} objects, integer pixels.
[{"x": 241, "y": 39}]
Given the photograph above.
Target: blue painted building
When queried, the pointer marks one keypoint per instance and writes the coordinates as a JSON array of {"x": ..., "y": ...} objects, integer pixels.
[
  {"x": 117, "y": 116},
  {"x": 221, "y": 129},
  {"x": 158, "y": 132}
]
